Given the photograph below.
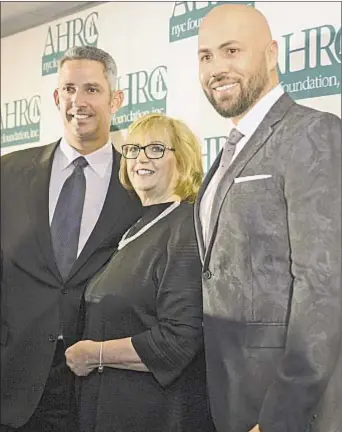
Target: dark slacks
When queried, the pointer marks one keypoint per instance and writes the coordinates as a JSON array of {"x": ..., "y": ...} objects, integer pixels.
[{"x": 56, "y": 411}]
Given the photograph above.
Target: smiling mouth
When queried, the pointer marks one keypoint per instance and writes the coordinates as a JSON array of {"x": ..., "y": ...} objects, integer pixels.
[
  {"x": 144, "y": 172},
  {"x": 225, "y": 88},
  {"x": 80, "y": 116}
]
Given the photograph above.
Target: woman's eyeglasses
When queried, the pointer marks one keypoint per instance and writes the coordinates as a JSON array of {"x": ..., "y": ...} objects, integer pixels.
[{"x": 152, "y": 151}]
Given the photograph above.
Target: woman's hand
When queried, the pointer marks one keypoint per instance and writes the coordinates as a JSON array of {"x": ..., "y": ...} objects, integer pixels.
[{"x": 83, "y": 357}]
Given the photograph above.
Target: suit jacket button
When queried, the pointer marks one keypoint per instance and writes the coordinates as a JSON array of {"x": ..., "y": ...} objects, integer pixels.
[
  {"x": 207, "y": 274},
  {"x": 64, "y": 290},
  {"x": 52, "y": 337}
]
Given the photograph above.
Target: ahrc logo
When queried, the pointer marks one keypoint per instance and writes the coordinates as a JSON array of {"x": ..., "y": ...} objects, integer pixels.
[
  {"x": 311, "y": 62},
  {"x": 61, "y": 37},
  {"x": 20, "y": 122},
  {"x": 188, "y": 15},
  {"x": 144, "y": 92}
]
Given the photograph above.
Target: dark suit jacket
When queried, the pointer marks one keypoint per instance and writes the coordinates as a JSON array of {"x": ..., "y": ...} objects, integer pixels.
[
  {"x": 32, "y": 288},
  {"x": 272, "y": 278}
]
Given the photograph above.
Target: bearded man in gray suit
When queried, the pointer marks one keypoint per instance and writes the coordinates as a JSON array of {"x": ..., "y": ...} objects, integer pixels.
[{"x": 268, "y": 221}]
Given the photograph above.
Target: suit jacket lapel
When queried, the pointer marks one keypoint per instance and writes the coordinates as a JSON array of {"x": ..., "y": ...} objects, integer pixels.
[
  {"x": 37, "y": 177},
  {"x": 254, "y": 144},
  {"x": 198, "y": 225},
  {"x": 257, "y": 140}
]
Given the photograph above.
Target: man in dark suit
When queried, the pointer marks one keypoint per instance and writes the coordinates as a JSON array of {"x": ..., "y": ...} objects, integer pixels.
[
  {"x": 63, "y": 212},
  {"x": 268, "y": 222}
]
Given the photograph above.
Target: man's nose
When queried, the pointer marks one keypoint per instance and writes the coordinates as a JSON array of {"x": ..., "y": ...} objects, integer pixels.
[
  {"x": 219, "y": 67},
  {"x": 78, "y": 98}
]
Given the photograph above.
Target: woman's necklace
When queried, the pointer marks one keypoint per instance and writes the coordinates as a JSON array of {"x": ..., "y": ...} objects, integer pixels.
[{"x": 124, "y": 241}]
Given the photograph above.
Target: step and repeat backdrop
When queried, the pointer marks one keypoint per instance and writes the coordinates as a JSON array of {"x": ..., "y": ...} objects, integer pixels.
[{"x": 155, "y": 47}]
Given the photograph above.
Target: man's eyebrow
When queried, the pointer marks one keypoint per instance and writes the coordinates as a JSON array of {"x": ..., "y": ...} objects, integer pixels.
[
  {"x": 92, "y": 84},
  {"x": 86, "y": 85},
  {"x": 228, "y": 43},
  {"x": 203, "y": 50},
  {"x": 223, "y": 45}
]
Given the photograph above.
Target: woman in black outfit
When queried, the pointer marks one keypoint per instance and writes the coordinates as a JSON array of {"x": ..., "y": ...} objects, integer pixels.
[{"x": 141, "y": 360}]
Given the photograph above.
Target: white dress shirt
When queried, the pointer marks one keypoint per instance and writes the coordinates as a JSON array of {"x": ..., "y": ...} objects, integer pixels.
[
  {"x": 247, "y": 126},
  {"x": 97, "y": 174}
]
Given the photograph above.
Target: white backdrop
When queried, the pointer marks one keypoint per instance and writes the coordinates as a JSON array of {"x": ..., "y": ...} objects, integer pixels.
[{"x": 155, "y": 47}]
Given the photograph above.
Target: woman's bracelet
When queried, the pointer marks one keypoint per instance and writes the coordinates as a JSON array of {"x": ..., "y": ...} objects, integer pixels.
[{"x": 100, "y": 368}]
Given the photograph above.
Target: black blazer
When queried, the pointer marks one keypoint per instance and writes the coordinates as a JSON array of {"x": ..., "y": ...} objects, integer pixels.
[{"x": 31, "y": 286}]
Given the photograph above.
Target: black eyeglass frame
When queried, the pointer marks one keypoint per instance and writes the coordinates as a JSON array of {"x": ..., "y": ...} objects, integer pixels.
[{"x": 144, "y": 147}]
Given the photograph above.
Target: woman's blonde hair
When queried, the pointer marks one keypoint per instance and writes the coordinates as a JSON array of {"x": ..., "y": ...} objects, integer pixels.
[{"x": 187, "y": 147}]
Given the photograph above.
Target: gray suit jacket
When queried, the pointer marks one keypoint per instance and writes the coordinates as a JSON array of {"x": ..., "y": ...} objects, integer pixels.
[{"x": 272, "y": 278}]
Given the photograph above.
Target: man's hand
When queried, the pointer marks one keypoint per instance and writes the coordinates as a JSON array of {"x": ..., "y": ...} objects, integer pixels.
[
  {"x": 83, "y": 357},
  {"x": 255, "y": 429}
]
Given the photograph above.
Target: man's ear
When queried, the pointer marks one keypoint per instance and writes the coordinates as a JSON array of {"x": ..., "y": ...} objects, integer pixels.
[
  {"x": 56, "y": 98},
  {"x": 117, "y": 100},
  {"x": 272, "y": 55}
]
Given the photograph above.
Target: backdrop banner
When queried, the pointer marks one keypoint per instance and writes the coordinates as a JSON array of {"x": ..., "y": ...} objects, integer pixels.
[{"x": 155, "y": 47}]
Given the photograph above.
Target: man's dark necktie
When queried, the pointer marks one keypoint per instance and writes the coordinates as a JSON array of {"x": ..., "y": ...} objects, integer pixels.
[{"x": 66, "y": 221}]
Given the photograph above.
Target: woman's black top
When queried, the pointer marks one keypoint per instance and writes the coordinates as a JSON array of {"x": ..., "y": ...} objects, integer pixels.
[{"x": 151, "y": 291}]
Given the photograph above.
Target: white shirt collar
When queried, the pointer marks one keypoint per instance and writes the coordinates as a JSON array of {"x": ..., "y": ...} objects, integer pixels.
[
  {"x": 98, "y": 160},
  {"x": 248, "y": 124}
]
